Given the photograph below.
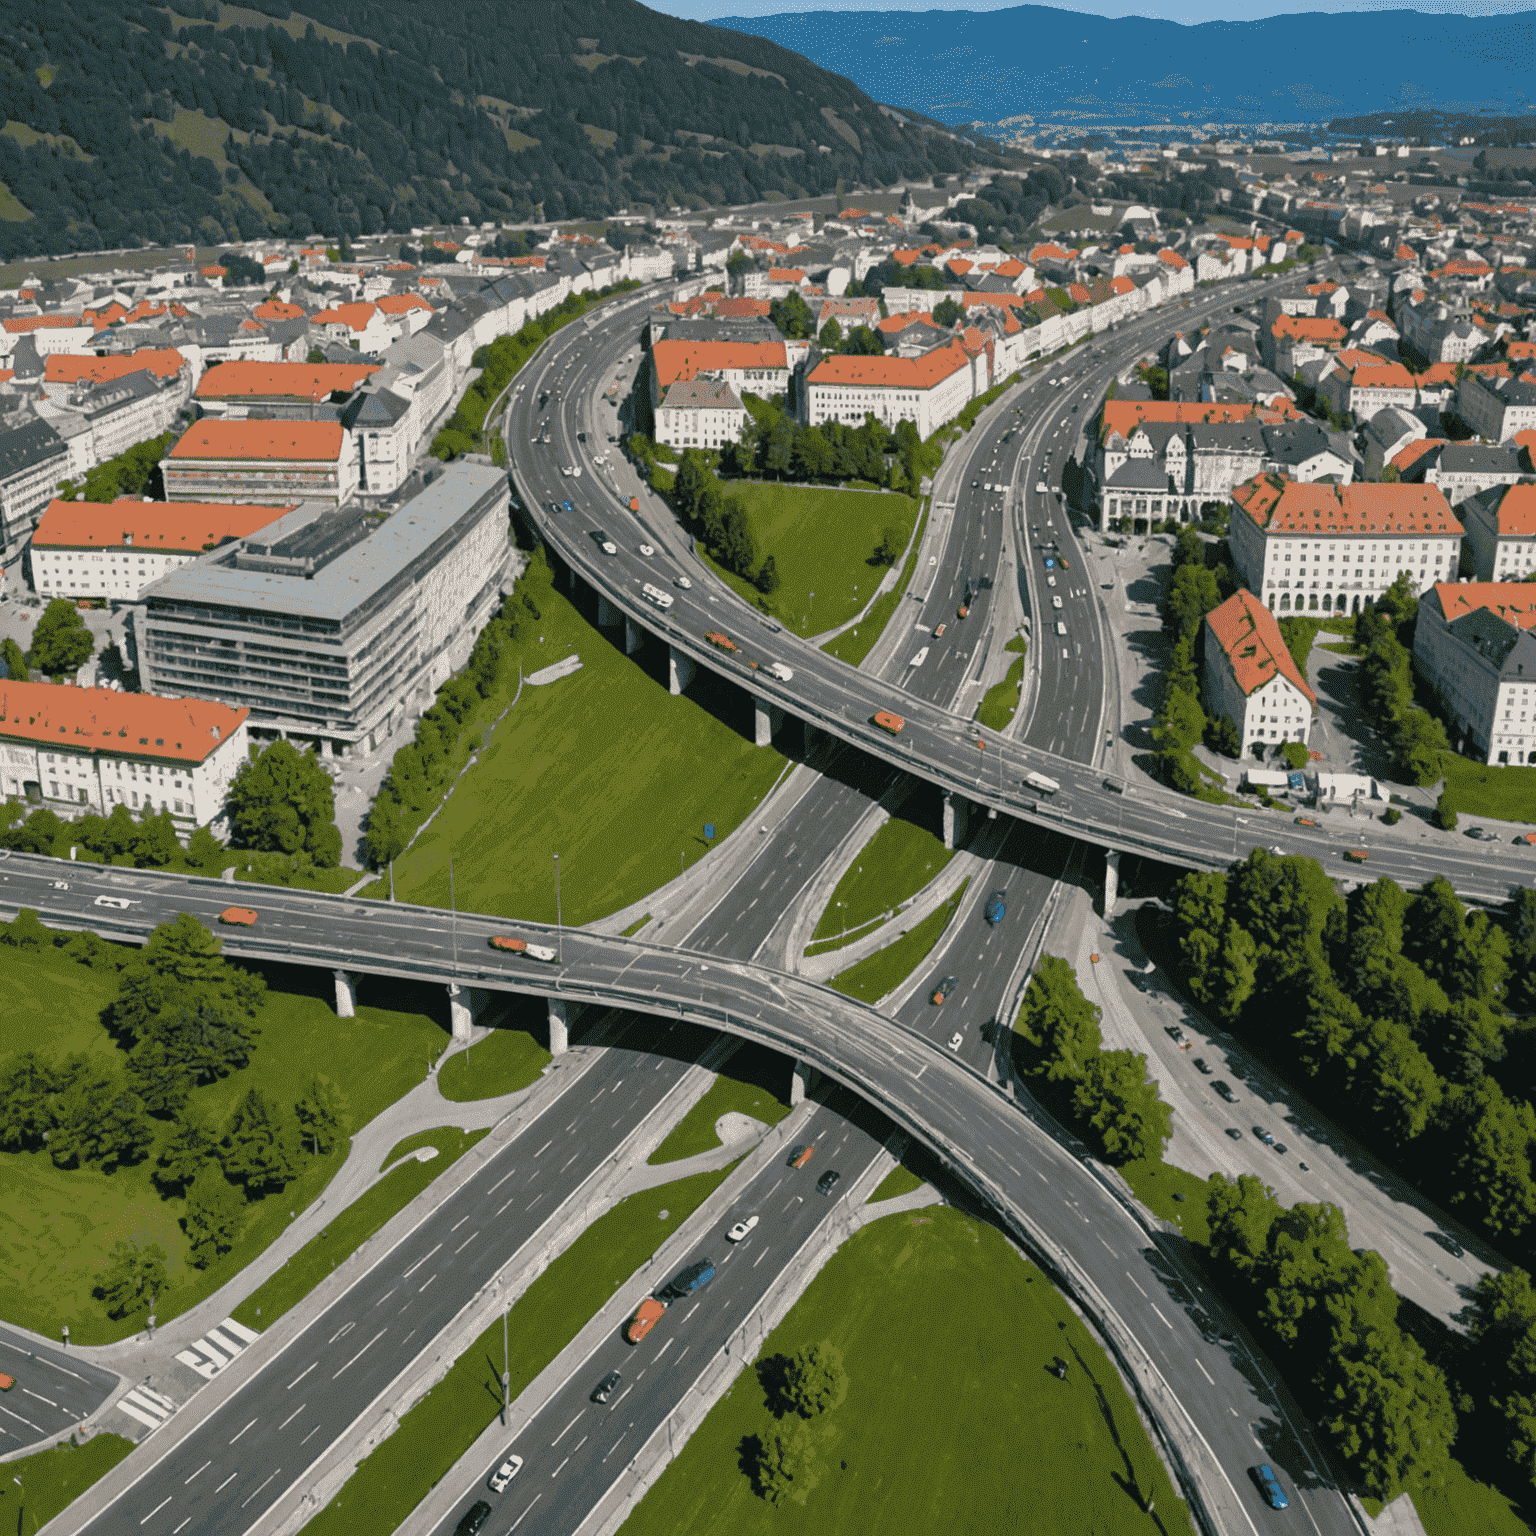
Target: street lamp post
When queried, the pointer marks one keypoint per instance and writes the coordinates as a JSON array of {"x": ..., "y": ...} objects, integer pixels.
[
  {"x": 506, "y": 1371},
  {"x": 453, "y": 907},
  {"x": 559, "y": 924}
]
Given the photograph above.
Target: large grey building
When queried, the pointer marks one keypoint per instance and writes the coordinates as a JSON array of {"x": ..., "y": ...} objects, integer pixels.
[{"x": 331, "y": 624}]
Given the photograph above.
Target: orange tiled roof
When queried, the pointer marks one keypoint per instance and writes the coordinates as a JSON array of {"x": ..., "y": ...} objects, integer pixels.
[
  {"x": 112, "y": 724},
  {"x": 1278, "y": 505},
  {"x": 906, "y": 258},
  {"x": 1124, "y": 416},
  {"x": 1249, "y": 634},
  {"x": 786, "y": 274},
  {"x": 1406, "y": 458},
  {"x": 1172, "y": 259},
  {"x": 1517, "y": 513},
  {"x": 312, "y": 441},
  {"x": 675, "y": 359},
  {"x": 276, "y": 309},
  {"x": 1307, "y": 328},
  {"x": 23, "y": 325},
  {"x": 1511, "y": 600},
  {"x": 186, "y": 526},
  {"x": 403, "y": 303},
  {"x": 354, "y": 316},
  {"x": 903, "y": 318},
  {"x": 73, "y": 367},
  {"x": 893, "y": 372},
  {"x": 291, "y": 381}
]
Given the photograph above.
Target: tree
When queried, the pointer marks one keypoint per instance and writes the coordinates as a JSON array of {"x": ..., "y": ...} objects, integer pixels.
[
  {"x": 1485, "y": 1156},
  {"x": 1222, "y": 735},
  {"x": 1242, "y": 1212},
  {"x": 1121, "y": 1104},
  {"x": 831, "y": 336},
  {"x": 888, "y": 550},
  {"x": 284, "y": 802},
  {"x": 61, "y": 643},
  {"x": 204, "y": 851},
  {"x": 134, "y": 1276},
  {"x": 12, "y": 663},
  {"x": 862, "y": 342},
  {"x": 767, "y": 579},
  {"x": 792, "y": 316},
  {"x": 260, "y": 1148},
  {"x": 26, "y": 931},
  {"x": 815, "y": 1380},
  {"x": 322, "y": 1115},
  {"x": 158, "y": 842},
  {"x": 214, "y": 1215},
  {"x": 1058, "y": 1021},
  {"x": 786, "y": 1462},
  {"x": 385, "y": 838},
  {"x": 96, "y": 1117},
  {"x": 190, "y": 1147},
  {"x": 26, "y": 1090},
  {"x": 948, "y": 313},
  {"x": 161, "y": 1081}
]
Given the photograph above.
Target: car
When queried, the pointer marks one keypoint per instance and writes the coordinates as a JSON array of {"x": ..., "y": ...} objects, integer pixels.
[
  {"x": 1234, "y": 1133},
  {"x": 474, "y": 1517},
  {"x": 566, "y": 506},
  {"x": 6, "y": 1382},
  {"x": 827, "y": 1182},
  {"x": 1482, "y": 834},
  {"x": 606, "y": 1387},
  {"x": 507, "y": 1471},
  {"x": 646, "y": 1316},
  {"x": 1202, "y": 1066},
  {"x": 1263, "y": 1135},
  {"x": 609, "y": 547},
  {"x": 59, "y": 885},
  {"x": 1040, "y": 488},
  {"x": 996, "y": 908},
  {"x": 1066, "y": 564},
  {"x": 974, "y": 484},
  {"x": 1050, "y": 581},
  {"x": 741, "y": 1229},
  {"x": 554, "y": 509},
  {"x": 1358, "y": 855},
  {"x": 1174, "y": 1033},
  {"x": 565, "y": 470},
  {"x": 954, "y": 1041},
  {"x": 1306, "y": 821},
  {"x": 944, "y": 988},
  {"x": 780, "y": 671},
  {"x": 938, "y": 631},
  {"x": 1224, "y": 1090},
  {"x": 240, "y": 917},
  {"x": 683, "y": 582},
  {"x": 1269, "y": 1486},
  {"x": 576, "y": 471},
  {"x": 963, "y": 610},
  {"x": 801, "y": 1155},
  {"x": 1450, "y": 1244},
  {"x": 1278, "y": 1146},
  {"x": 647, "y": 550}
]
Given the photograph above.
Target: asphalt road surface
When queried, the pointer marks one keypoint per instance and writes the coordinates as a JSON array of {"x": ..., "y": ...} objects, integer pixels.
[{"x": 54, "y": 1390}]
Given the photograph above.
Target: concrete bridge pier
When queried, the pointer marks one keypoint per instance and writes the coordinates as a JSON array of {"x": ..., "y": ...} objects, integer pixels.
[
  {"x": 805, "y": 1078},
  {"x": 1111, "y": 881},
  {"x": 561, "y": 1016},
  {"x": 463, "y": 1004},
  {"x": 680, "y": 670},
  {"x": 346, "y": 994},
  {"x": 956, "y": 816},
  {"x": 766, "y": 720},
  {"x": 634, "y": 636},
  {"x": 607, "y": 614}
]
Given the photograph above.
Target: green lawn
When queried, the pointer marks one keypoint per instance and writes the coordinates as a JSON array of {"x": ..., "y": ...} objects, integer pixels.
[
  {"x": 887, "y": 968},
  {"x": 351, "y": 1227},
  {"x": 61, "y": 1223},
  {"x": 1477, "y": 790},
  {"x": 899, "y": 1181},
  {"x": 1463, "y": 1505},
  {"x": 1002, "y": 699},
  {"x": 916, "y": 1446},
  {"x": 605, "y": 769},
  {"x": 754, "y": 1081},
  {"x": 509, "y": 1060},
  {"x": 52, "y": 1479},
  {"x": 821, "y": 540},
  {"x": 896, "y": 863},
  {"x": 1156, "y": 1183},
  {"x": 439, "y": 1429},
  {"x": 854, "y": 645}
]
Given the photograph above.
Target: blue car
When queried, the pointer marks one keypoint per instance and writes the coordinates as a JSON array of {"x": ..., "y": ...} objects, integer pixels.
[
  {"x": 1269, "y": 1486},
  {"x": 997, "y": 906},
  {"x": 565, "y": 506}
]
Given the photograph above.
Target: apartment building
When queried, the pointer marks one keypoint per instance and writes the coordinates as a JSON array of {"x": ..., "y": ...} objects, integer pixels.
[
  {"x": 262, "y": 461},
  {"x": 1501, "y": 534},
  {"x": 1251, "y": 676}
]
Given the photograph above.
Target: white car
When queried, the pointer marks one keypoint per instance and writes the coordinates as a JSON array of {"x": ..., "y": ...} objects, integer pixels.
[
  {"x": 505, "y": 1473},
  {"x": 1050, "y": 581},
  {"x": 954, "y": 1042},
  {"x": 647, "y": 551},
  {"x": 576, "y": 471},
  {"x": 684, "y": 583},
  {"x": 60, "y": 885},
  {"x": 565, "y": 469},
  {"x": 780, "y": 671},
  {"x": 1056, "y": 601},
  {"x": 1040, "y": 488},
  {"x": 609, "y": 547},
  {"x": 741, "y": 1229}
]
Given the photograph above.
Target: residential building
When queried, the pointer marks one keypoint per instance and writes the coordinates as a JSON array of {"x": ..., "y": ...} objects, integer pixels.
[
  {"x": 1251, "y": 676},
  {"x": 262, "y": 461},
  {"x": 86, "y": 750},
  {"x": 1501, "y": 534},
  {"x": 115, "y": 549},
  {"x": 65, "y": 373},
  {"x": 331, "y": 625},
  {"x": 1331, "y": 548},
  {"x": 1370, "y": 386},
  {"x": 1475, "y": 645},
  {"x": 1497, "y": 408},
  {"x": 364, "y": 327},
  {"x": 385, "y": 431},
  {"x": 762, "y": 367},
  {"x": 33, "y": 460},
  {"x": 928, "y": 390},
  {"x": 1466, "y": 469},
  {"x": 699, "y": 413},
  {"x": 298, "y": 391}
]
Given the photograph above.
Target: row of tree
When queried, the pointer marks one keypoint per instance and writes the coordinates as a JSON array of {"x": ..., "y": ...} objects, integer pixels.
[
  {"x": 721, "y": 523},
  {"x": 785, "y": 1460},
  {"x": 1107, "y": 1095},
  {"x": 1385, "y": 633},
  {"x": 133, "y": 472}
]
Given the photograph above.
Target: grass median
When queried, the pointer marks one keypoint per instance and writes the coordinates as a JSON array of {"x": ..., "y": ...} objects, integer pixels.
[
  {"x": 901, "y": 1453},
  {"x": 350, "y": 1228},
  {"x": 754, "y": 1081},
  {"x": 887, "y": 968},
  {"x": 392, "y": 1481},
  {"x": 48, "y": 1481},
  {"x": 897, "y": 862},
  {"x": 510, "y": 1059},
  {"x": 853, "y": 645},
  {"x": 1504, "y": 793}
]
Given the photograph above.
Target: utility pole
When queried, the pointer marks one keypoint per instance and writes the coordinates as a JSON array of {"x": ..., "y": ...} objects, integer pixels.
[
  {"x": 506, "y": 1371},
  {"x": 559, "y": 924}
]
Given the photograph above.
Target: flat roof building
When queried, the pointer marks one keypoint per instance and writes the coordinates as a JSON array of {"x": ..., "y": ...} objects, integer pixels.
[
  {"x": 328, "y": 621},
  {"x": 262, "y": 461}
]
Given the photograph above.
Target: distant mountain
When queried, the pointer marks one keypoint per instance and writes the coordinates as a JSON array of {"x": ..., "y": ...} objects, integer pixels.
[
  {"x": 988, "y": 66},
  {"x": 129, "y": 123}
]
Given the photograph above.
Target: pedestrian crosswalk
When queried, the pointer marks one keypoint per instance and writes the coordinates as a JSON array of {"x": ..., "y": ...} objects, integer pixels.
[
  {"x": 211, "y": 1353},
  {"x": 147, "y": 1406}
]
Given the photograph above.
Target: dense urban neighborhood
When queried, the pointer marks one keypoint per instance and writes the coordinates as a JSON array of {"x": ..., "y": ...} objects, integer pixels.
[{"x": 595, "y": 804}]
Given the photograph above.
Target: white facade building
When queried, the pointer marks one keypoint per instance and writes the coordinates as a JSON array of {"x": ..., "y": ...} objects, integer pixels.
[{"x": 1251, "y": 676}]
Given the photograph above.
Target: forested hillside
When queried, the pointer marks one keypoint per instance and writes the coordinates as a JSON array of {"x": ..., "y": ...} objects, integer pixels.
[{"x": 129, "y": 123}]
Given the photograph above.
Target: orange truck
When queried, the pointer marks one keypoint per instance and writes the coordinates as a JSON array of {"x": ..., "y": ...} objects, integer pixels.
[
  {"x": 523, "y": 947},
  {"x": 720, "y": 642},
  {"x": 244, "y": 917},
  {"x": 634, "y": 503},
  {"x": 889, "y": 722}
]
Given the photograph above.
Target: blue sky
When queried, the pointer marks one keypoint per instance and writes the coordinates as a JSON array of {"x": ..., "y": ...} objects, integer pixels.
[{"x": 1186, "y": 11}]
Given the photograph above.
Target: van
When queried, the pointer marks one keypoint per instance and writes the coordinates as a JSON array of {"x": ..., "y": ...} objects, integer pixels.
[{"x": 1061, "y": 628}]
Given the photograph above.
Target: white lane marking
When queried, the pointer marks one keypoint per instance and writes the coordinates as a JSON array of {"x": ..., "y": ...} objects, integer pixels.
[
  {"x": 660, "y": 1352},
  {"x": 225, "y": 1484},
  {"x": 387, "y": 1294},
  {"x": 419, "y": 1262},
  {"x": 558, "y": 1470},
  {"x": 564, "y": 1432},
  {"x": 499, "y": 1182},
  {"x": 1206, "y": 1374},
  {"x": 364, "y": 1350},
  {"x": 199, "y": 1472},
  {"x": 620, "y": 1398},
  {"x": 302, "y": 1374},
  {"x": 341, "y": 1332},
  {"x": 459, "y": 1223},
  {"x": 242, "y": 1431},
  {"x": 39, "y": 1396},
  {"x": 548, "y": 1144},
  {"x": 501, "y": 1208},
  {"x": 1129, "y": 1276},
  {"x": 467, "y": 1241},
  {"x": 292, "y": 1416},
  {"x": 310, "y": 1436},
  {"x": 155, "y": 1511},
  {"x": 1158, "y": 1310},
  {"x": 247, "y": 1499},
  {"x": 428, "y": 1281},
  {"x": 535, "y": 1499}
]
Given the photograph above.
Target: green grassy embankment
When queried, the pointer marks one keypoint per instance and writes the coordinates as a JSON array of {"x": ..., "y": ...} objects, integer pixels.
[
  {"x": 853, "y": 645},
  {"x": 896, "y": 863},
  {"x": 754, "y": 1081},
  {"x": 887, "y": 968}
]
